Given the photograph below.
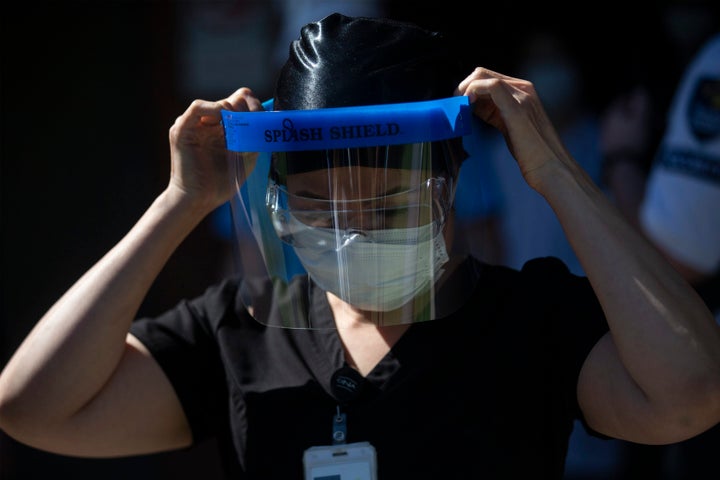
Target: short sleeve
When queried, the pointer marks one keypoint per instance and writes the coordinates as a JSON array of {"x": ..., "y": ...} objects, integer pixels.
[{"x": 182, "y": 341}]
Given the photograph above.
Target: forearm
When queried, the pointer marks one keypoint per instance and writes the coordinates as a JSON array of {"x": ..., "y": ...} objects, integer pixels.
[
  {"x": 75, "y": 348},
  {"x": 665, "y": 336}
]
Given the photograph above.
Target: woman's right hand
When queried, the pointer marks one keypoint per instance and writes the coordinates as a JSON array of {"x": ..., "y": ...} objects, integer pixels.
[{"x": 201, "y": 171}]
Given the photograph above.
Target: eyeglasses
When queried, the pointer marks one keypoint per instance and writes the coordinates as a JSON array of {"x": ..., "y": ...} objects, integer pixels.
[{"x": 428, "y": 203}]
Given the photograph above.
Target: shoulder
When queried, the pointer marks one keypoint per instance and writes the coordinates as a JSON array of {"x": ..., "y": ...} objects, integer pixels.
[
  {"x": 193, "y": 320},
  {"x": 541, "y": 272},
  {"x": 543, "y": 284}
]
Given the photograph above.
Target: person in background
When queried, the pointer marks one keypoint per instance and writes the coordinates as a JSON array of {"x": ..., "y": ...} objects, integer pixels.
[
  {"x": 674, "y": 206},
  {"x": 677, "y": 212},
  {"x": 393, "y": 349}
]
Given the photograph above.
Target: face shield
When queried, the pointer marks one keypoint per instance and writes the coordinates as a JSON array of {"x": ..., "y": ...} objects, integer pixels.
[{"x": 354, "y": 201}]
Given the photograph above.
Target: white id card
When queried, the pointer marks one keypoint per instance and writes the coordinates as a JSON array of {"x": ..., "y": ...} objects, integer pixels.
[{"x": 352, "y": 461}]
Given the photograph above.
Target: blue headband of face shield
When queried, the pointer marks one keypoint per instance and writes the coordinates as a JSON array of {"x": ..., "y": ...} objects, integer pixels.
[{"x": 347, "y": 127}]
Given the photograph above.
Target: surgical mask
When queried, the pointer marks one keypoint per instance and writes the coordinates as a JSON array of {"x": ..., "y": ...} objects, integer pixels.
[{"x": 379, "y": 270}]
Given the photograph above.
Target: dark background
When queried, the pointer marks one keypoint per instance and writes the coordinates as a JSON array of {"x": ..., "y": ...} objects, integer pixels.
[{"x": 90, "y": 89}]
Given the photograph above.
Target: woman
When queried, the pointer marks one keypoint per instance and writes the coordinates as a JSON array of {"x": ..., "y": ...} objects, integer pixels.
[{"x": 435, "y": 365}]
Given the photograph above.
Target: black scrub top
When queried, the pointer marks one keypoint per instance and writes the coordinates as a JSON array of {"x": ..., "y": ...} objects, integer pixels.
[{"x": 488, "y": 392}]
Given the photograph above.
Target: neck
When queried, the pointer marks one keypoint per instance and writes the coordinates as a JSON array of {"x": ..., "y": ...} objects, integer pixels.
[{"x": 365, "y": 342}]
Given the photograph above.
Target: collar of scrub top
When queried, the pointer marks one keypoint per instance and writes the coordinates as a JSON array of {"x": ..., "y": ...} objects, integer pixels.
[{"x": 346, "y": 127}]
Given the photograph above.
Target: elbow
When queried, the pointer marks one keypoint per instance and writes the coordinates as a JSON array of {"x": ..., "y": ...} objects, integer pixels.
[
  {"x": 11, "y": 413},
  {"x": 17, "y": 417},
  {"x": 26, "y": 427},
  {"x": 708, "y": 400},
  {"x": 696, "y": 411}
]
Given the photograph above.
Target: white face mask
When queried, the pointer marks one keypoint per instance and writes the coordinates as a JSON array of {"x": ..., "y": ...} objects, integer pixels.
[{"x": 379, "y": 274}]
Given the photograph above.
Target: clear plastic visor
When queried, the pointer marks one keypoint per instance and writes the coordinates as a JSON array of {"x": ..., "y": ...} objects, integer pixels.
[{"x": 367, "y": 228}]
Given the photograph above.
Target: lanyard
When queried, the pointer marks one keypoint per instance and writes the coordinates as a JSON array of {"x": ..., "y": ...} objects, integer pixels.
[{"x": 339, "y": 427}]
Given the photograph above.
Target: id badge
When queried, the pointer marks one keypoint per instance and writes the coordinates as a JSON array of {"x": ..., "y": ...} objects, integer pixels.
[{"x": 351, "y": 461}]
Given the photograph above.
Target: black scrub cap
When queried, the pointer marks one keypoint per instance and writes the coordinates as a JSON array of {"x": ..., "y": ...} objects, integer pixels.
[{"x": 344, "y": 61}]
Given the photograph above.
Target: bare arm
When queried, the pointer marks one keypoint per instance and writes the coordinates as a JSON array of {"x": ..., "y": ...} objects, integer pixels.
[
  {"x": 79, "y": 384},
  {"x": 655, "y": 377}
]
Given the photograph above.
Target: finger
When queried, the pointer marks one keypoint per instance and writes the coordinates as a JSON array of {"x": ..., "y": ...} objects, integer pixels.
[
  {"x": 209, "y": 113},
  {"x": 495, "y": 90},
  {"x": 201, "y": 111},
  {"x": 478, "y": 74},
  {"x": 242, "y": 100}
]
